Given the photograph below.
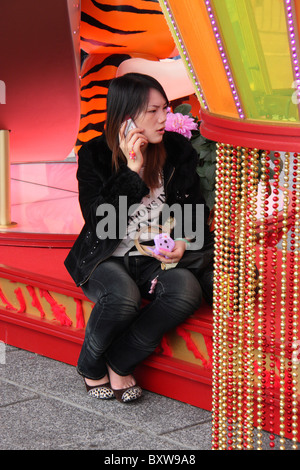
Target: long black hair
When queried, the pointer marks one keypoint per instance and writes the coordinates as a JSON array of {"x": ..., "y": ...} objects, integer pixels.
[{"x": 128, "y": 96}]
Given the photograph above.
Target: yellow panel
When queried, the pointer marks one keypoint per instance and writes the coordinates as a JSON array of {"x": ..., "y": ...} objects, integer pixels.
[
  {"x": 194, "y": 28},
  {"x": 256, "y": 38},
  {"x": 272, "y": 31}
]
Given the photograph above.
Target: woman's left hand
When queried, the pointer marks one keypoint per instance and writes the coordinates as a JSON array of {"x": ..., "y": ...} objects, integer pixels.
[{"x": 169, "y": 257}]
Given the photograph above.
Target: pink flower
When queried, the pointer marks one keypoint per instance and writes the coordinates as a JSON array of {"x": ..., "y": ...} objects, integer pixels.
[{"x": 183, "y": 124}]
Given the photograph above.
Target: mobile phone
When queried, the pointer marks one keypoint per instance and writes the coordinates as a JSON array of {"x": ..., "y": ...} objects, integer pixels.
[{"x": 129, "y": 126}]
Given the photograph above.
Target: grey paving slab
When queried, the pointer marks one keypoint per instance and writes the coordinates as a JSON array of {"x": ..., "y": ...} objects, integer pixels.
[
  {"x": 43, "y": 406},
  {"x": 10, "y": 394},
  {"x": 47, "y": 376},
  {"x": 49, "y": 424},
  {"x": 197, "y": 436}
]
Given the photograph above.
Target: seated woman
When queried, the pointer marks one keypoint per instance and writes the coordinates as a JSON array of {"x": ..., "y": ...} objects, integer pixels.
[{"x": 149, "y": 169}]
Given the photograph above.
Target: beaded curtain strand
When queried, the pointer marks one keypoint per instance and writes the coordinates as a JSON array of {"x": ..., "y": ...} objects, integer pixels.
[{"x": 246, "y": 336}]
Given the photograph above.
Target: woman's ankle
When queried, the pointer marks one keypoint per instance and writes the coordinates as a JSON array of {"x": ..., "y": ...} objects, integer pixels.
[
  {"x": 119, "y": 382},
  {"x": 94, "y": 383}
]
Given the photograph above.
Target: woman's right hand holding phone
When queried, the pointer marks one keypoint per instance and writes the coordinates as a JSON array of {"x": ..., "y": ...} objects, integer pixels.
[{"x": 132, "y": 145}]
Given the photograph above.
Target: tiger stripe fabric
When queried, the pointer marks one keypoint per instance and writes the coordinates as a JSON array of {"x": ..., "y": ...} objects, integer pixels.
[{"x": 111, "y": 32}]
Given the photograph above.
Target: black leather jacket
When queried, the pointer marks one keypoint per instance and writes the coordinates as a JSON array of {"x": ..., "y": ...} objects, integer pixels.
[{"x": 99, "y": 184}]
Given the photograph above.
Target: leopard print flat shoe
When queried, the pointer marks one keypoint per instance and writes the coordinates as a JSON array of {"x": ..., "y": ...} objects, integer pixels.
[
  {"x": 126, "y": 395},
  {"x": 103, "y": 392}
]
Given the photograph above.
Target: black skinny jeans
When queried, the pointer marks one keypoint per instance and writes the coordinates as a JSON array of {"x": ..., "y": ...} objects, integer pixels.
[{"x": 120, "y": 333}]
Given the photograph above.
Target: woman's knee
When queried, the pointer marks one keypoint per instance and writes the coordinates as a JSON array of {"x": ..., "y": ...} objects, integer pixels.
[
  {"x": 124, "y": 301},
  {"x": 111, "y": 283},
  {"x": 181, "y": 286}
]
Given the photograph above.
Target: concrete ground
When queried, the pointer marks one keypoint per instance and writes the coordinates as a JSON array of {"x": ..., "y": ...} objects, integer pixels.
[{"x": 44, "y": 407}]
